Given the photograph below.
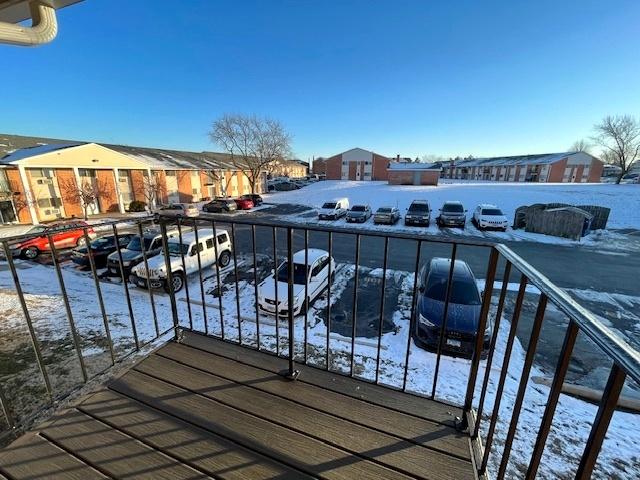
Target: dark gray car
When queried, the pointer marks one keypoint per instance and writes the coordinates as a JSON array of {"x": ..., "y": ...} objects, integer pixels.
[
  {"x": 452, "y": 214},
  {"x": 151, "y": 243},
  {"x": 359, "y": 213},
  {"x": 386, "y": 215}
]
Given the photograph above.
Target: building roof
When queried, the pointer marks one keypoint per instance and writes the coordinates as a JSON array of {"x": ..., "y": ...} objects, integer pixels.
[
  {"x": 536, "y": 159},
  {"x": 411, "y": 166},
  {"x": 18, "y": 147}
]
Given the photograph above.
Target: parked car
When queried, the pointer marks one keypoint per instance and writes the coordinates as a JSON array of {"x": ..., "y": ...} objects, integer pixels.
[
  {"x": 387, "y": 215},
  {"x": 334, "y": 209},
  {"x": 157, "y": 274},
  {"x": 630, "y": 178},
  {"x": 177, "y": 210},
  {"x": 63, "y": 235},
  {"x": 487, "y": 216},
  {"x": 315, "y": 271},
  {"x": 452, "y": 214},
  {"x": 463, "y": 313},
  {"x": 244, "y": 203},
  {"x": 359, "y": 213},
  {"x": 150, "y": 243},
  {"x": 99, "y": 249},
  {"x": 254, "y": 197},
  {"x": 220, "y": 205},
  {"x": 418, "y": 213},
  {"x": 285, "y": 186}
]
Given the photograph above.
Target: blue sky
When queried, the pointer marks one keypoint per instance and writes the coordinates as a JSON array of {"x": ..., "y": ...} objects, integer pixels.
[{"x": 401, "y": 77}]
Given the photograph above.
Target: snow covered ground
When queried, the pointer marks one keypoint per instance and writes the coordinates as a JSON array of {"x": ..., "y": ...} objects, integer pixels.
[
  {"x": 619, "y": 457},
  {"x": 508, "y": 196}
]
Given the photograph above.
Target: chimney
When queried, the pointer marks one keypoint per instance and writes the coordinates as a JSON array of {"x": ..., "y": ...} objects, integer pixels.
[{"x": 398, "y": 158}]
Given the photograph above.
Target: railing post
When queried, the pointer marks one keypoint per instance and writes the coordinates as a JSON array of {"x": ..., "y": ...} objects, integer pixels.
[
  {"x": 416, "y": 274},
  {"x": 126, "y": 287},
  {"x": 292, "y": 373},
  {"x": 4, "y": 404},
  {"x": 601, "y": 422},
  {"x": 145, "y": 262},
  {"x": 167, "y": 264},
  {"x": 354, "y": 311},
  {"x": 482, "y": 323},
  {"x": 382, "y": 294}
]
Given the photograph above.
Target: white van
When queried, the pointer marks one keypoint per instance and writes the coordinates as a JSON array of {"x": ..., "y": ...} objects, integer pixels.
[
  {"x": 157, "y": 275},
  {"x": 334, "y": 209}
]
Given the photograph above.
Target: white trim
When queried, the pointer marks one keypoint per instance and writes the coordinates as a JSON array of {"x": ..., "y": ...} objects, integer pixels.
[
  {"x": 28, "y": 194},
  {"x": 118, "y": 192}
]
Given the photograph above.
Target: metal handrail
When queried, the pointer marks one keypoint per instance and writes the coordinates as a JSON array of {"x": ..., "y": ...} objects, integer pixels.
[{"x": 614, "y": 347}]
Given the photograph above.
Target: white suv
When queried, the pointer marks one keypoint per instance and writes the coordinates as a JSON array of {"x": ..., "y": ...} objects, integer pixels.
[
  {"x": 315, "y": 272},
  {"x": 487, "y": 216},
  {"x": 189, "y": 248}
]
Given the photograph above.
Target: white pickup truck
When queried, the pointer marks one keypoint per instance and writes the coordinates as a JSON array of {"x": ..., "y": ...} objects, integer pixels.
[{"x": 157, "y": 274}]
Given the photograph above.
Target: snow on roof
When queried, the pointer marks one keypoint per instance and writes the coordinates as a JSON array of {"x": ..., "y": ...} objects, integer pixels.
[
  {"x": 412, "y": 166},
  {"x": 40, "y": 149},
  {"x": 537, "y": 159}
]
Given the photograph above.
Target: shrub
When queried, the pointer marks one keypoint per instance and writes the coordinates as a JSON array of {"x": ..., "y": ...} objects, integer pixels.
[{"x": 137, "y": 206}]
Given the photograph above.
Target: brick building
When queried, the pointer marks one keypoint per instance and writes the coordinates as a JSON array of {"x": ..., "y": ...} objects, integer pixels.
[
  {"x": 410, "y": 173},
  {"x": 356, "y": 164},
  {"x": 549, "y": 167},
  {"x": 40, "y": 178}
]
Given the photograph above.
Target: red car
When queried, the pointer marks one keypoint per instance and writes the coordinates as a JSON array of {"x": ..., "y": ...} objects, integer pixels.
[
  {"x": 244, "y": 203},
  {"x": 63, "y": 235}
]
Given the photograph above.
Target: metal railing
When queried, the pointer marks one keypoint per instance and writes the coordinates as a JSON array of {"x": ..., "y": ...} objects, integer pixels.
[{"x": 257, "y": 243}]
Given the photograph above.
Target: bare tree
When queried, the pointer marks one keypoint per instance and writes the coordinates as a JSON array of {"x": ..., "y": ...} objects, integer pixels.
[
  {"x": 431, "y": 158},
  {"x": 581, "y": 145},
  {"x": 10, "y": 190},
  {"x": 252, "y": 141},
  {"x": 619, "y": 136},
  {"x": 152, "y": 189},
  {"x": 86, "y": 192}
]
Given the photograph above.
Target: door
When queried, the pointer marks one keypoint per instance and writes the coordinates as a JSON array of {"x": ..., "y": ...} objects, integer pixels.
[
  {"x": 7, "y": 213},
  {"x": 416, "y": 178}
]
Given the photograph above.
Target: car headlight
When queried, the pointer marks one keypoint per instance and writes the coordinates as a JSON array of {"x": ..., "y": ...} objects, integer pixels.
[
  {"x": 126, "y": 263},
  {"x": 425, "y": 321}
]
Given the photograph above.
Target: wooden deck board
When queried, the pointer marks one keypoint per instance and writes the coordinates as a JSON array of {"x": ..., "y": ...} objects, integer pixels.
[
  {"x": 422, "y": 432},
  {"x": 207, "y": 409},
  {"x": 374, "y": 445}
]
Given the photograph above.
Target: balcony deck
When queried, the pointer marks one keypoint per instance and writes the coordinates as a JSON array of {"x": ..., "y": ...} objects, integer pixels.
[{"x": 204, "y": 408}]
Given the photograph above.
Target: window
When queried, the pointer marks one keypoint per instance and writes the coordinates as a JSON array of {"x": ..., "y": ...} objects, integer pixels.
[
  {"x": 209, "y": 242},
  {"x": 463, "y": 292},
  {"x": 299, "y": 273},
  {"x": 85, "y": 172},
  {"x": 196, "y": 248},
  {"x": 170, "y": 173},
  {"x": 222, "y": 238},
  {"x": 345, "y": 163},
  {"x": 49, "y": 202}
]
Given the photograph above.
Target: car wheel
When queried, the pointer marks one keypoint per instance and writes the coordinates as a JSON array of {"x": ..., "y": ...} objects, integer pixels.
[
  {"x": 31, "y": 252},
  {"x": 224, "y": 259},
  {"x": 81, "y": 242},
  {"x": 177, "y": 282}
]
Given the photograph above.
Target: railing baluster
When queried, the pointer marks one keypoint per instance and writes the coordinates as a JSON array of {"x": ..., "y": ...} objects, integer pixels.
[
  {"x": 96, "y": 281},
  {"x": 382, "y": 295},
  {"x": 329, "y": 273},
  {"x": 494, "y": 339},
  {"x": 149, "y": 290},
  {"x": 255, "y": 284},
  {"x": 607, "y": 406},
  {"x": 167, "y": 264},
  {"x": 306, "y": 291},
  {"x": 354, "y": 311},
  {"x": 413, "y": 313},
  {"x": 126, "y": 287},
  {"x": 4, "y": 404},
  {"x": 219, "y": 284},
  {"x": 67, "y": 307},
  {"x": 524, "y": 380},
  {"x": 292, "y": 371},
  {"x": 517, "y": 309},
  {"x": 445, "y": 314},
  {"x": 554, "y": 395},
  {"x": 204, "y": 307},
  {"x": 482, "y": 323},
  {"x": 275, "y": 284},
  {"x": 235, "y": 273},
  {"x": 25, "y": 311},
  {"x": 184, "y": 272}
]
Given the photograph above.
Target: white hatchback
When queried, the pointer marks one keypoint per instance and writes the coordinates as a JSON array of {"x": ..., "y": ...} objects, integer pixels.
[
  {"x": 487, "y": 216},
  {"x": 314, "y": 273},
  {"x": 177, "y": 210}
]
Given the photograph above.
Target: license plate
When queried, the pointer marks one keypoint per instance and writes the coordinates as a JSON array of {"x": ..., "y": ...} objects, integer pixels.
[{"x": 454, "y": 343}]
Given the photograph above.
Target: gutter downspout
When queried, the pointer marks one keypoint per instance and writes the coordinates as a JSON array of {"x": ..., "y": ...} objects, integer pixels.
[{"x": 44, "y": 27}]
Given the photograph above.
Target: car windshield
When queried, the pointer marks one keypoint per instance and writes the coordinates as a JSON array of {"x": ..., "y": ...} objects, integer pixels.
[
  {"x": 176, "y": 249},
  {"x": 464, "y": 292},
  {"x": 37, "y": 229},
  {"x": 136, "y": 246},
  {"x": 491, "y": 211},
  {"x": 103, "y": 242},
  {"x": 299, "y": 273},
  {"x": 358, "y": 208},
  {"x": 452, "y": 207},
  {"x": 384, "y": 210},
  {"x": 329, "y": 205},
  {"x": 418, "y": 207}
]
